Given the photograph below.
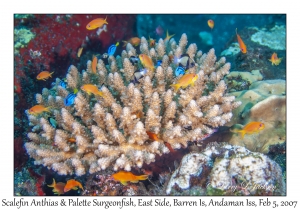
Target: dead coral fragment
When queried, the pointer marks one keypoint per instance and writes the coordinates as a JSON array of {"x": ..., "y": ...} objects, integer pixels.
[{"x": 110, "y": 129}]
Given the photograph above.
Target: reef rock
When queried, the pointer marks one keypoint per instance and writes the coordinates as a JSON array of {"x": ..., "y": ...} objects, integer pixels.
[
  {"x": 265, "y": 101},
  {"x": 233, "y": 50},
  {"x": 21, "y": 38},
  {"x": 275, "y": 38},
  {"x": 239, "y": 80},
  {"x": 258, "y": 91},
  {"x": 223, "y": 169}
]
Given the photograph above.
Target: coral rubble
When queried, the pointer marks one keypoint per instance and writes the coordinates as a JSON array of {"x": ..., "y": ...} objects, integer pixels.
[
  {"x": 227, "y": 170},
  {"x": 110, "y": 130}
]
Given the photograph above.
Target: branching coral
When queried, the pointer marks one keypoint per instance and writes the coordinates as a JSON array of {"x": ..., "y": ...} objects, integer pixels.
[{"x": 112, "y": 130}]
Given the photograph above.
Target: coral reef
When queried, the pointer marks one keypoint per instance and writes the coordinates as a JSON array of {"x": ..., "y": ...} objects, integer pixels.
[
  {"x": 27, "y": 182},
  {"x": 110, "y": 130},
  {"x": 258, "y": 92},
  {"x": 224, "y": 30},
  {"x": 257, "y": 56},
  {"x": 265, "y": 102},
  {"x": 238, "y": 81},
  {"x": 223, "y": 169},
  {"x": 275, "y": 38},
  {"x": 54, "y": 47},
  {"x": 21, "y": 38},
  {"x": 233, "y": 49}
]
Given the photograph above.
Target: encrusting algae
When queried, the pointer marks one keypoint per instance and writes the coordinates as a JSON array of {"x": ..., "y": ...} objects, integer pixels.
[{"x": 110, "y": 129}]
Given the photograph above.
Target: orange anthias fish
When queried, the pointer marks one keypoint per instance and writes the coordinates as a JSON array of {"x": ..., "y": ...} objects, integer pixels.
[
  {"x": 79, "y": 52},
  {"x": 241, "y": 43},
  {"x": 211, "y": 23},
  {"x": 155, "y": 137},
  {"x": 90, "y": 88},
  {"x": 151, "y": 42},
  {"x": 135, "y": 41},
  {"x": 185, "y": 80},
  {"x": 94, "y": 64},
  {"x": 275, "y": 60},
  {"x": 44, "y": 75},
  {"x": 96, "y": 23},
  {"x": 58, "y": 188},
  {"x": 125, "y": 176},
  {"x": 138, "y": 114},
  {"x": 251, "y": 128},
  {"x": 169, "y": 147},
  {"x": 37, "y": 109},
  {"x": 71, "y": 140},
  {"x": 72, "y": 184},
  {"x": 147, "y": 62},
  {"x": 168, "y": 37},
  {"x": 152, "y": 136}
]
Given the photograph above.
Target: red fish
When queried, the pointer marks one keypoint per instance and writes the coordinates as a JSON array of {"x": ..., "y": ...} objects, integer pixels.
[{"x": 241, "y": 43}]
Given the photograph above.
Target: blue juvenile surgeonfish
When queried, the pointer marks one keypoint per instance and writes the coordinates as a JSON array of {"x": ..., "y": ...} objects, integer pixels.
[
  {"x": 63, "y": 84},
  {"x": 69, "y": 100},
  {"x": 112, "y": 49},
  {"x": 158, "y": 63},
  {"x": 179, "y": 71}
]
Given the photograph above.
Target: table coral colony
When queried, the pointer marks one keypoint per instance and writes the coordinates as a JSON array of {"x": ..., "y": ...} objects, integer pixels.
[{"x": 111, "y": 129}]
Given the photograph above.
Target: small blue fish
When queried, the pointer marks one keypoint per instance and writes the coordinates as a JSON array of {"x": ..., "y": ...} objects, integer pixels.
[
  {"x": 69, "y": 100},
  {"x": 158, "y": 62},
  {"x": 63, "y": 84},
  {"x": 180, "y": 70},
  {"x": 112, "y": 49},
  {"x": 53, "y": 122},
  {"x": 133, "y": 60}
]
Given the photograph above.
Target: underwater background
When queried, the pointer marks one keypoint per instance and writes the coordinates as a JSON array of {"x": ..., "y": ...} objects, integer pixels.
[{"x": 54, "y": 44}]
